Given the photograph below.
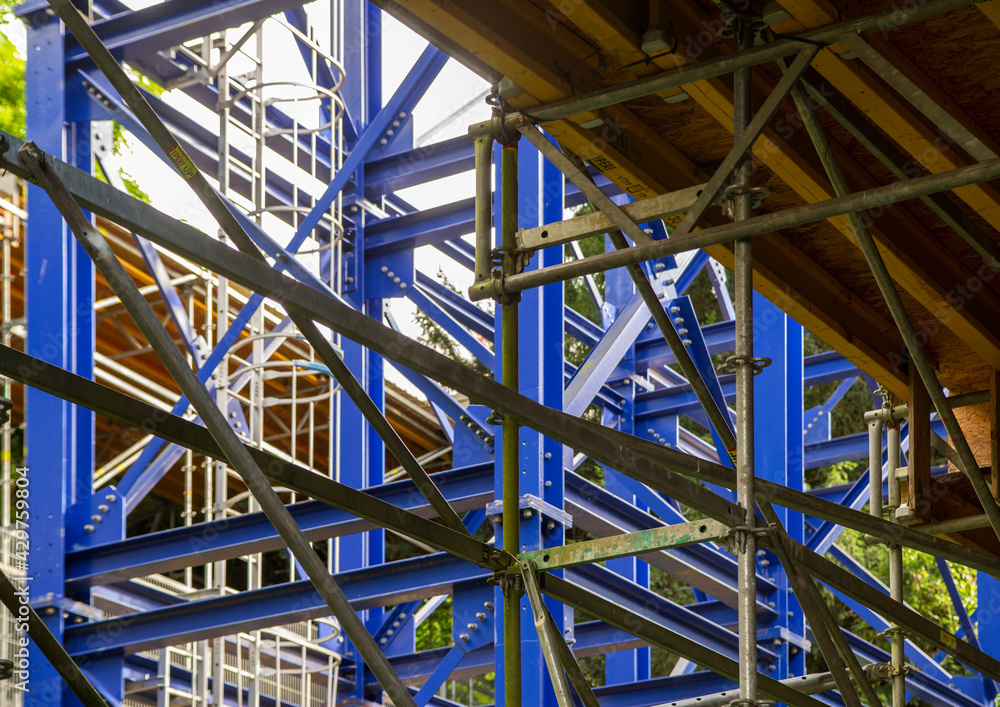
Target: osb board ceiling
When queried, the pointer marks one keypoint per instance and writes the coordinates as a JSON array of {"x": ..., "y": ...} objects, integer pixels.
[{"x": 816, "y": 272}]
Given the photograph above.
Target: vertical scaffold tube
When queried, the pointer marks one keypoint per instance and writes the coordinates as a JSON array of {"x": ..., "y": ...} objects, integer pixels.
[
  {"x": 745, "y": 474},
  {"x": 511, "y": 486},
  {"x": 895, "y": 568},
  {"x": 875, "y": 466},
  {"x": 484, "y": 206}
]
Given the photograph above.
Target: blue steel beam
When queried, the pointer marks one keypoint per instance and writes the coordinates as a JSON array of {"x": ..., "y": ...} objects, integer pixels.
[
  {"x": 387, "y": 174},
  {"x": 703, "y": 566},
  {"x": 428, "y": 227},
  {"x": 923, "y": 661},
  {"x": 846, "y": 448},
  {"x": 650, "y": 349},
  {"x": 371, "y": 587},
  {"x": 480, "y": 322},
  {"x": 381, "y": 585},
  {"x": 459, "y": 251},
  {"x": 820, "y": 368},
  {"x": 603, "y": 582},
  {"x": 937, "y": 691},
  {"x": 466, "y": 489},
  {"x": 456, "y": 330},
  {"x": 470, "y": 316},
  {"x": 604, "y": 358},
  {"x": 59, "y": 304},
  {"x": 139, "y": 33}
]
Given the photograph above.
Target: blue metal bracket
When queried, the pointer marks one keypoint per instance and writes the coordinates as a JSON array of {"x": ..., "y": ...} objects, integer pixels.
[{"x": 530, "y": 505}]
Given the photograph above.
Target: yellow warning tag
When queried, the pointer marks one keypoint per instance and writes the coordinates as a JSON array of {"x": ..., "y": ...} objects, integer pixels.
[
  {"x": 732, "y": 455},
  {"x": 949, "y": 640},
  {"x": 183, "y": 162}
]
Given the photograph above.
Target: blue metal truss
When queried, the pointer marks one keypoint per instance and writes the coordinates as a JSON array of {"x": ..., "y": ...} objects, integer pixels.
[{"x": 626, "y": 376}]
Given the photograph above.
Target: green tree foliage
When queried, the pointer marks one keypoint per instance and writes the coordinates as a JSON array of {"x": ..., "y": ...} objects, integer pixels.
[
  {"x": 11, "y": 84},
  {"x": 434, "y": 336}
]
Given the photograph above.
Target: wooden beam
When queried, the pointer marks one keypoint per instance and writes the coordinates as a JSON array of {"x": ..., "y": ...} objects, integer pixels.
[
  {"x": 891, "y": 113},
  {"x": 918, "y": 261},
  {"x": 992, "y": 11},
  {"x": 995, "y": 432},
  {"x": 639, "y": 160}
]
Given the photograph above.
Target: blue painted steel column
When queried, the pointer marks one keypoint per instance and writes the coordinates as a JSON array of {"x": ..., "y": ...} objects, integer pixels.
[
  {"x": 988, "y": 613},
  {"x": 360, "y": 453},
  {"x": 59, "y": 437},
  {"x": 540, "y": 201},
  {"x": 779, "y": 446},
  {"x": 630, "y": 665}
]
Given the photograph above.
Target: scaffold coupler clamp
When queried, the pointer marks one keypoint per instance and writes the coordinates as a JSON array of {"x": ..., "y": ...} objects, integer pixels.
[
  {"x": 510, "y": 580},
  {"x": 498, "y": 274},
  {"x": 736, "y": 540},
  {"x": 731, "y": 19},
  {"x": 729, "y": 194},
  {"x": 877, "y": 672},
  {"x": 892, "y": 631},
  {"x": 502, "y": 132},
  {"x": 740, "y": 702},
  {"x": 759, "y": 363}
]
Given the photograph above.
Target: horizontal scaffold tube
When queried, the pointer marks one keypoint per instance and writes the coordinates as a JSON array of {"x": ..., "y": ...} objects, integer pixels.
[{"x": 758, "y": 225}]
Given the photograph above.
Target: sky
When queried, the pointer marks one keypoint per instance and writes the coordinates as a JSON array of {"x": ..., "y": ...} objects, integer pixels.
[{"x": 456, "y": 93}]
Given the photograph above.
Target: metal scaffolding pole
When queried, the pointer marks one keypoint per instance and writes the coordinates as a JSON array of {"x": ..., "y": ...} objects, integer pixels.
[
  {"x": 236, "y": 454},
  {"x": 918, "y": 356},
  {"x": 626, "y": 226},
  {"x": 665, "y": 471},
  {"x": 758, "y": 225},
  {"x": 742, "y": 206},
  {"x": 18, "y": 606},
  {"x": 625, "y": 451},
  {"x": 896, "y": 571},
  {"x": 747, "y": 57}
]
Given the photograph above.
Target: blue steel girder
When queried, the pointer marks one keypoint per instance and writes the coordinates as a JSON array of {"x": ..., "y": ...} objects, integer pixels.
[
  {"x": 466, "y": 489},
  {"x": 369, "y": 587},
  {"x": 426, "y": 305},
  {"x": 935, "y": 689},
  {"x": 460, "y": 251},
  {"x": 428, "y": 227},
  {"x": 605, "y": 357},
  {"x": 819, "y": 368},
  {"x": 923, "y": 661},
  {"x": 385, "y": 174},
  {"x": 139, "y": 33},
  {"x": 703, "y": 566}
]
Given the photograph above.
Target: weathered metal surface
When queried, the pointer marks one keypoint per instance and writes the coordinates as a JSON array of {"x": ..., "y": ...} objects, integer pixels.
[{"x": 664, "y": 538}]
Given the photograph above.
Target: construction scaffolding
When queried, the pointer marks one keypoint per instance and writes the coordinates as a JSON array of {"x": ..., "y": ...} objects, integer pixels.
[{"x": 248, "y": 369}]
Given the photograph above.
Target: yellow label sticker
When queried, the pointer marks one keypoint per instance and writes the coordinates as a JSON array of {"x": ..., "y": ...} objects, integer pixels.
[
  {"x": 183, "y": 162},
  {"x": 949, "y": 640},
  {"x": 732, "y": 455}
]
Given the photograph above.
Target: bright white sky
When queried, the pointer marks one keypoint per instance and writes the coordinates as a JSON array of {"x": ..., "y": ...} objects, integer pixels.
[{"x": 456, "y": 87}]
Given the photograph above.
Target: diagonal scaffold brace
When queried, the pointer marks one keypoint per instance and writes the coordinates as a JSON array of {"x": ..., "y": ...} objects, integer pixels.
[
  {"x": 236, "y": 454},
  {"x": 50, "y": 647},
  {"x": 229, "y": 223}
]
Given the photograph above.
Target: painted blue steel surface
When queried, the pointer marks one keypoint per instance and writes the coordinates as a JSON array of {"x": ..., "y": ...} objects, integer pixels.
[
  {"x": 61, "y": 331},
  {"x": 59, "y": 282},
  {"x": 778, "y": 457}
]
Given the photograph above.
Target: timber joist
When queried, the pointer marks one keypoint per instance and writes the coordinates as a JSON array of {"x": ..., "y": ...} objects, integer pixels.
[
  {"x": 927, "y": 272},
  {"x": 635, "y": 156}
]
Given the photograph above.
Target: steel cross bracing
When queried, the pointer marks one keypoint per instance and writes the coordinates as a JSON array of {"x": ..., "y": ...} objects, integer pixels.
[{"x": 639, "y": 398}]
